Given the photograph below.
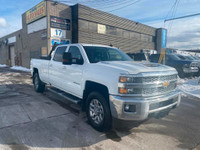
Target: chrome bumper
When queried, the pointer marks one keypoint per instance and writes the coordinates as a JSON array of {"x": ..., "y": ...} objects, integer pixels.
[{"x": 143, "y": 107}]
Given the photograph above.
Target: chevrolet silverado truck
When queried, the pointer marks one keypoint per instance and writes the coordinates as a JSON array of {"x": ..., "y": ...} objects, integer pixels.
[{"x": 107, "y": 83}]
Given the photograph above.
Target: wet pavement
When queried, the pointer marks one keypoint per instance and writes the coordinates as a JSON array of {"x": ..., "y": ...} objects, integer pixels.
[{"x": 29, "y": 120}]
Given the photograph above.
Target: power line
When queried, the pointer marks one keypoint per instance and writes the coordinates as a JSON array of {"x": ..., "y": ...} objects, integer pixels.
[
  {"x": 173, "y": 14},
  {"x": 170, "y": 11},
  {"x": 181, "y": 17}
]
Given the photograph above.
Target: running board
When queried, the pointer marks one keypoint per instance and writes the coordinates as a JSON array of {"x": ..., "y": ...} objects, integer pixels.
[{"x": 65, "y": 95}]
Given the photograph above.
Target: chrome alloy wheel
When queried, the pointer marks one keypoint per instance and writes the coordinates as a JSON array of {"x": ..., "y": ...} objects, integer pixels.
[{"x": 96, "y": 111}]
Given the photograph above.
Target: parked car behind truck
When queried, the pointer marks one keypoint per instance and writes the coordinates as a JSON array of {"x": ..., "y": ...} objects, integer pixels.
[
  {"x": 191, "y": 58},
  {"x": 107, "y": 83},
  {"x": 184, "y": 68}
]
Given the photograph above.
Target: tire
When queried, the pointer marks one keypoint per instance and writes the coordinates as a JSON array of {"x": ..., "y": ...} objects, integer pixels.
[
  {"x": 39, "y": 86},
  {"x": 100, "y": 121}
]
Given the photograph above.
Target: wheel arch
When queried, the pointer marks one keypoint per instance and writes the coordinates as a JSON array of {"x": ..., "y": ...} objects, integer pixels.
[{"x": 91, "y": 86}]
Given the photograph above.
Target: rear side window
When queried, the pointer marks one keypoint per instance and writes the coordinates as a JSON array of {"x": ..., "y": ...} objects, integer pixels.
[{"x": 59, "y": 53}]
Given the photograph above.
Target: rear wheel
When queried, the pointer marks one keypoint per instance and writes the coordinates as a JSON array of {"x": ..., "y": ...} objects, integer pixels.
[
  {"x": 98, "y": 112},
  {"x": 39, "y": 86}
]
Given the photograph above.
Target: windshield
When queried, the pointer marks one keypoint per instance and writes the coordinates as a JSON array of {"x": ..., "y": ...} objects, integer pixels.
[
  {"x": 181, "y": 57},
  {"x": 174, "y": 57},
  {"x": 96, "y": 54}
]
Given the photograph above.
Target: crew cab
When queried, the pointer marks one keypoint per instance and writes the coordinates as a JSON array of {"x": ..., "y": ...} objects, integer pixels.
[
  {"x": 184, "y": 68},
  {"x": 107, "y": 83}
]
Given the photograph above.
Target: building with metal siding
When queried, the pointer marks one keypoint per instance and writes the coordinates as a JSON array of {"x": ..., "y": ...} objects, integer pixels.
[
  {"x": 85, "y": 25},
  {"x": 122, "y": 33}
]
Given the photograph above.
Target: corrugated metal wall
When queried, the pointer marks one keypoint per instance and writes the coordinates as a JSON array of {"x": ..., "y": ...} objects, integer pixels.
[{"x": 126, "y": 44}]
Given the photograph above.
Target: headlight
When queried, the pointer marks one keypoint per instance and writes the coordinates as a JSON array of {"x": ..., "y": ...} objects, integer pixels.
[
  {"x": 125, "y": 79},
  {"x": 123, "y": 90}
]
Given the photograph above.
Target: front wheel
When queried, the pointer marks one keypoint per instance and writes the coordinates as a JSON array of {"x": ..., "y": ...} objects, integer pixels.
[
  {"x": 98, "y": 112},
  {"x": 39, "y": 86}
]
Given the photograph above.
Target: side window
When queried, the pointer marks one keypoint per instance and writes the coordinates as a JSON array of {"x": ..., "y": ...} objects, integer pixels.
[
  {"x": 59, "y": 53},
  {"x": 76, "y": 54}
]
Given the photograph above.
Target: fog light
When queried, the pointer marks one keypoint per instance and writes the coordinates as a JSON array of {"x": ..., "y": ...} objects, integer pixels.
[
  {"x": 126, "y": 107},
  {"x": 129, "y": 108}
]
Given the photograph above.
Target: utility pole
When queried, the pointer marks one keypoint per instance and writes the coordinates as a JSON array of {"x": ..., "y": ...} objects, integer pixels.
[{"x": 182, "y": 17}]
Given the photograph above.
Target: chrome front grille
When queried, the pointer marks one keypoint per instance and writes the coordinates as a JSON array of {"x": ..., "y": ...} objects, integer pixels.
[
  {"x": 155, "y": 90},
  {"x": 150, "y": 84},
  {"x": 151, "y": 79}
]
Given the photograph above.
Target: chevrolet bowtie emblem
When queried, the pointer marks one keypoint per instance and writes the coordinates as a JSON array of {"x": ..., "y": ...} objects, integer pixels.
[{"x": 165, "y": 84}]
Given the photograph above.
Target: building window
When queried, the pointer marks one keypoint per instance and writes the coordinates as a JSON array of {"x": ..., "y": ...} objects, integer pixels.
[
  {"x": 83, "y": 25},
  {"x": 111, "y": 30},
  {"x": 92, "y": 27}
]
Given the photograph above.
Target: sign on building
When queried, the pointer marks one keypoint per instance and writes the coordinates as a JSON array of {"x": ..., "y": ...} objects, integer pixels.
[
  {"x": 36, "y": 12},
  {"x": 58, "y": 33},
  {"x": 164, "y": 38},
  {"x": 101, "y": 29},
  {"x": 60, "y": 23},
  {"x": 38, "y": 25},
  {"x": 59, "y": 41}
]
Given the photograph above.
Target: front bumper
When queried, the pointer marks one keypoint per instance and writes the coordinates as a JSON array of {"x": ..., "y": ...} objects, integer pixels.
[{"x": 144, "y": 106}]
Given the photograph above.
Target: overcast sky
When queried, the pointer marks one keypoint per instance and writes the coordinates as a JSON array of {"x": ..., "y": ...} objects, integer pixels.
[{"x": 182, "y": 34}]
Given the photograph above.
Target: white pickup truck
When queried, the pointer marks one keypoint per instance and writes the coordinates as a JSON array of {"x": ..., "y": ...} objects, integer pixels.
[{"x": 107, "y": 82}]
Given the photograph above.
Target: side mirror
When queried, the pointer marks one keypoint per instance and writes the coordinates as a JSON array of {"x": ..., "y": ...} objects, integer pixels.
[{"x": 67, "y": 58}]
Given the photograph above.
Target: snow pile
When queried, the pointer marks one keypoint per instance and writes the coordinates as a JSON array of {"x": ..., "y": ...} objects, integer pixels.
[
  {"x": 190, "y": 86},
  {"x": 1, "y": 66},
  {"x": 20, "y": 68}
]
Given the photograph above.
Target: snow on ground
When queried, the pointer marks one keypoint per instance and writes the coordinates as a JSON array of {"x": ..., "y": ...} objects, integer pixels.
[
  {"x": 20, "y": 68},
  {"x": 1, "y": 66},
  {"x": 190, "y": 86}
]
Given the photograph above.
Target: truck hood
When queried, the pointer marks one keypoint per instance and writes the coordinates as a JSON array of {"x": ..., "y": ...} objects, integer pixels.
[{"x": 133, "y": 67}]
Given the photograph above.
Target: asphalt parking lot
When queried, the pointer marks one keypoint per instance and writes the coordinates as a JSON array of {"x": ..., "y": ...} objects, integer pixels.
[{"x": 29, "y": 120}]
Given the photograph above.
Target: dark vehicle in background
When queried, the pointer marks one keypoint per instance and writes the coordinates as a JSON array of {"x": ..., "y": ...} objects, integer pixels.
[
  {"x": 191, "y": 58},
  {"x": 139, "y": 56},
  {"x": 185, "y": 68}
]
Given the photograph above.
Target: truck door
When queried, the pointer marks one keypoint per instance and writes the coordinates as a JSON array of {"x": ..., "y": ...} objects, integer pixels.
[
  {"x": 56, "y": 66},
  {"x": 73, "y": 73}
]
